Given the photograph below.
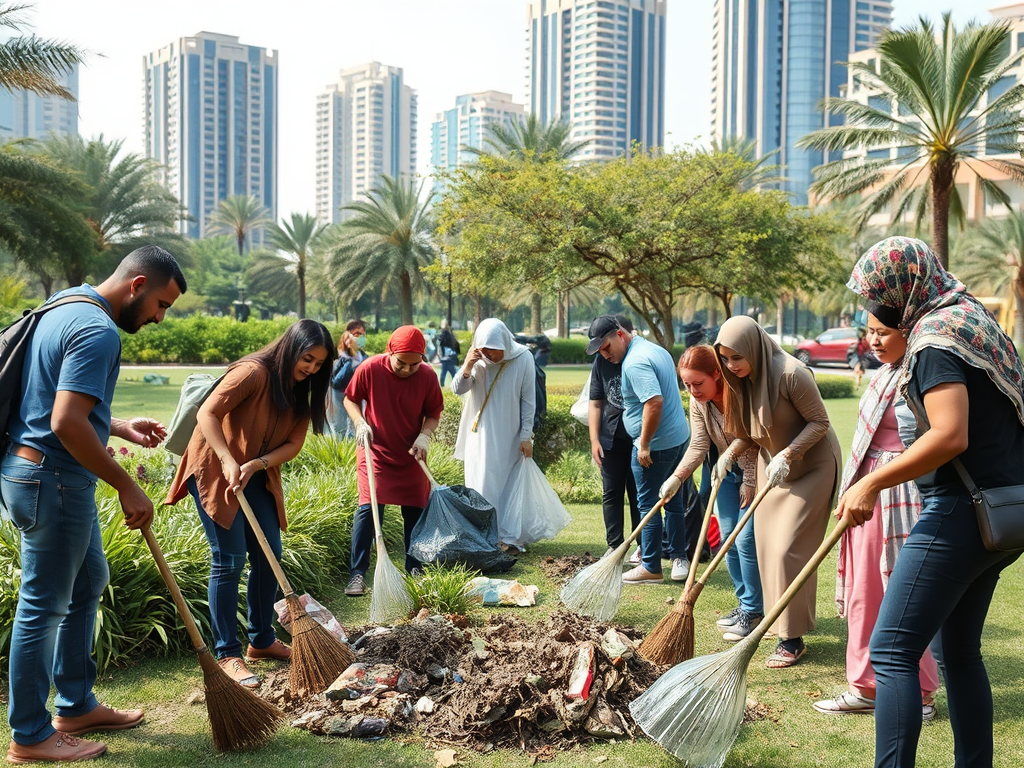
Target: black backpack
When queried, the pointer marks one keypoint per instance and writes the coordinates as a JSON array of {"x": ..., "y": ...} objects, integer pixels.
[{"x": 14, "y": 341}]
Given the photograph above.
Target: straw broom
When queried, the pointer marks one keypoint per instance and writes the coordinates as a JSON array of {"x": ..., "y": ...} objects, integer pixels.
[
  {"x": 671, "y": 640},
  {"x": 318, "y": 657},
  {"x": 239, "y": 719},
  {"x": 696, "y": 708},
  {"x": 390, "y": 599},
  {"x": 595, "y": 591}
]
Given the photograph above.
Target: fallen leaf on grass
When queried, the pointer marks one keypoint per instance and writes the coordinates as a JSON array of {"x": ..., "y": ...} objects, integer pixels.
[
  {"x": 601, "y": 759},
  {"x": 446, "y": 758}
]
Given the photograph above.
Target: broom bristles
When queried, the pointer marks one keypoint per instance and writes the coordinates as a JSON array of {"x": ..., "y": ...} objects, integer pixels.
[
  {"x": 390, "y": 599},
  {"x": 318, "y": 657},
  {"x": 695, "y": 710},
  {"x": 595, "y": 591},
  {"x": 239, "y": 719},
  {"x": 671, "y": 640}
]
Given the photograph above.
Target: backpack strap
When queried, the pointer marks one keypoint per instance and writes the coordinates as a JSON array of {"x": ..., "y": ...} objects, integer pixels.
[{"x": 70, "y": 300}]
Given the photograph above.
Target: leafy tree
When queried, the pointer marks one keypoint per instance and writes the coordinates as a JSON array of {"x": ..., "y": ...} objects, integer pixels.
[
  {"x": 32, "y": 63},
  {"x": 284, "y": 273},
  {"x": 217, "y": 273},
  {"x": 385, "y": 243},
  {"x": 239, "y": 216},
  {"x": 931, "y": 90},
  {"x": 124, "y": 203},
  {"x": 991, "y": 259}
]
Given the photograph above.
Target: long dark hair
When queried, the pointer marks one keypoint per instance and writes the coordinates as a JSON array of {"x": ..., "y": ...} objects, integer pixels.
[{"x": 308, "y": 397}]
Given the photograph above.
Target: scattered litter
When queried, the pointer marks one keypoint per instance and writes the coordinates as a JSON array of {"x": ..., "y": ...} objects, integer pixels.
[
  {"x": 582, "y": 673},
  {"x": 321, "y": 615},
  {"x": 446, "y": 758},
  {"x": 616, "y": 646},
  {"x": 502, "y": 592}
]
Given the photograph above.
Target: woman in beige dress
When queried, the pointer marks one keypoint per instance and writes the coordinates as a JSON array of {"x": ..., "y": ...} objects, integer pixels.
[{"x": 772, "y": 401}]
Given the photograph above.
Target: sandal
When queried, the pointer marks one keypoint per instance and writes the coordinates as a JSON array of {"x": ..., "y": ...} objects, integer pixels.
[
  {"x": 782, "y": 657},
  {"x": 846, "y": 703}
]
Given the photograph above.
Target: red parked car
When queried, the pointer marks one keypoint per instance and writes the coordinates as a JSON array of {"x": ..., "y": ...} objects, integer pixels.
[{"x": 836, "y": 345}]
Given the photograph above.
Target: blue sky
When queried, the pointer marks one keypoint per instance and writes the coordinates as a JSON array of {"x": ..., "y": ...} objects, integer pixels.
[{"x": 447, "y": 48}]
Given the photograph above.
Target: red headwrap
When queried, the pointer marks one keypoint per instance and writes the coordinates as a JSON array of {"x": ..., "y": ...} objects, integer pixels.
[{"x": 407, "y": 338}]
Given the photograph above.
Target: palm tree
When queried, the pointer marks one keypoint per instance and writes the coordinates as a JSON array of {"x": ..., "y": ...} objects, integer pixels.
[
  {"x": 932, "y": 115},
  {"x": 284, "y": 273},
  {"x": 238, "y": 216},
  {"x": 31, "y": 63},
  {"x": 385, "y": 243},
  {"x": 991, "y": 259},
  {"x": 760, "y": 172},
  {"x": 125, "y": 204}
]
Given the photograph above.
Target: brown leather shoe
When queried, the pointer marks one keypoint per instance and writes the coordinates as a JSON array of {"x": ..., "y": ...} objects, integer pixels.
[
  {"x": 277, "y": 651},
  {"x": 60, "y": 746},
  {"x": 238, "y": 672},
  {"x": 101, "y": 718}
]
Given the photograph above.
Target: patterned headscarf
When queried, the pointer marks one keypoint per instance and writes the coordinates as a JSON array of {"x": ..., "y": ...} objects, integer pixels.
[{"x": 937, "y": 311}]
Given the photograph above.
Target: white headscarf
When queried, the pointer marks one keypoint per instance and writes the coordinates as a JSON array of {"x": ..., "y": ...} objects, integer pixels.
[{"x": 493, "y": 334}]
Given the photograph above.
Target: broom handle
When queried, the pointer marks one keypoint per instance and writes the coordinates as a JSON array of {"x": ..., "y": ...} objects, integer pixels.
[
  {"x": 724, "y": 549},
  {"x": 801, "y": 579},
  {"x": 372, "y": 482},
  {"x": 692, "y": 575},
  {"x": 267, "y": 551},
  {"x": 172, "y": 587},
  {"x": 426, "y": 471},
  {"x": 636, "y": 531}
]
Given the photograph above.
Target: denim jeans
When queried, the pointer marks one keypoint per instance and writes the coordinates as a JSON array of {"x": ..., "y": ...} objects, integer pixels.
[
  {"x": 648, "y": 484},
  {"x": 363, "y": 536},
  {"x": 617, "y": 480},
  {"x": 449, "y": 367},
  {"x": 941, "y": 588},
  {"x": 228, "y": 548},
  {"x": 63, "y": 575},
  {"x": 741, "y": 559}
]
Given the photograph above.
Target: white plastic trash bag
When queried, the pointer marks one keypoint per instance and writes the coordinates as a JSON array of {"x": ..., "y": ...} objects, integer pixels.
[
  {"x": 580, "y": 410},
  {"x": 532, "y": 509},
  {"x": 502, "y": 592}
]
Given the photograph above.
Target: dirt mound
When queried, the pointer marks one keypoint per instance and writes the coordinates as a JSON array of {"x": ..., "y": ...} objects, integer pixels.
[
  {"x": 566, "y": 567},
  {"x": 509, "y": 683}
]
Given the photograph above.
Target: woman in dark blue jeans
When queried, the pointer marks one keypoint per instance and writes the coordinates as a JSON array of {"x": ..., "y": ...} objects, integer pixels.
[{"x": 962, "y": 379}]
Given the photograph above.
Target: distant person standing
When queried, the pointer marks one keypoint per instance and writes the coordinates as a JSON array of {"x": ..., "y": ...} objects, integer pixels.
[
  {"x": 57, "y": 450},
  {"x": 654, "y": 418},
  {"x": 611, "y": 446},
  {"x": 448, "y": 348},
  {"x": 350, "y": 355}
]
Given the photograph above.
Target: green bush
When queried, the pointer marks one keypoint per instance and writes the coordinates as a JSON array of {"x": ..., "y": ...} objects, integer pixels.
[
  {"x": 576, "y": 479},
  {"x": 441, "y": 589},
  {"x": 832, "y": 386}
]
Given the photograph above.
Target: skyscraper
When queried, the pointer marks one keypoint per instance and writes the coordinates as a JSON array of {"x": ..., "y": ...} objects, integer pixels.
[
  {"x": 211, "y": 120},
  {"x": 467, "y": 124},
  {"x": 24, "y": 114},
  {"x": 365, "y": 127},
  {"x": 601, "y": 67},
  {"x": 774, "y": 60}
]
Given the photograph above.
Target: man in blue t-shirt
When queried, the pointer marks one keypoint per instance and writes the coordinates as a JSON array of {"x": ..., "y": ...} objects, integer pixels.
[
  {"x": 654, "y": 417},
  {"x": 56, "y": 452}
]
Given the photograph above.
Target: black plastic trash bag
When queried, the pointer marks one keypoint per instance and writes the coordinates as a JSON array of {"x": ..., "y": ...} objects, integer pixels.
[{"x": 459, "y": 526}]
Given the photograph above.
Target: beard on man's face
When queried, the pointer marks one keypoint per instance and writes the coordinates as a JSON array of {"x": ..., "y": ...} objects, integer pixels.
[{"x": 130, "y": 320}]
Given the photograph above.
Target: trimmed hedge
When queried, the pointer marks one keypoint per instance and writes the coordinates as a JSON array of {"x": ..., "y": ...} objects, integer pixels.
[{"x": 833, "y": 387}]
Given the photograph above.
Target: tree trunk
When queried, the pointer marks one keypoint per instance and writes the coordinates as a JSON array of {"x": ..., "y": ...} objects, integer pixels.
[
  {"x": 942, "y": 188},
  {"x": 406, "y": 291},
  {"x": 240, "y": 237},
  {"x": 712, "y": 316},
  {"x": 377, "y": 311},
  {"x": 561, "y": 330},
  {"x": 780, "y": 316},
  {"x": 300, "y": 274},
  {"x": 477, "y": 310},
  {"x": 536, "y": 306},
  {"x": 726, "y": 299},
  {"x": 1018, "y": 320}
]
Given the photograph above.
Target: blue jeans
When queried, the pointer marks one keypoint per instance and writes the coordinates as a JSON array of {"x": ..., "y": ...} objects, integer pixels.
[
  {"x": 449, "y": 367},
  {"x": 648, "y": 483},
  {"x": 63, "y": 575},
  {"x": 941, "y": 588},
  {"x": 363, "y": 536},
  {"x": 228, "y": 548},
  {"x": 741, "y": 559}
]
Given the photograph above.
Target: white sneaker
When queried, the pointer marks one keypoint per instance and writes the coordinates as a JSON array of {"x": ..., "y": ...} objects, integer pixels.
[{"x": 680, "y": 569}]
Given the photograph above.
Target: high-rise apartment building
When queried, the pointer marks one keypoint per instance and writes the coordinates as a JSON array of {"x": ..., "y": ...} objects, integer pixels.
[
  {"x": 599, "y": 65},
  {"x": 467, "y": 125},
  {"x": 365, "y": 128},
  {"x": 24, "y": 114},
  {"x": 773, "y": 61},
  {"x": 211, "y": 121}
]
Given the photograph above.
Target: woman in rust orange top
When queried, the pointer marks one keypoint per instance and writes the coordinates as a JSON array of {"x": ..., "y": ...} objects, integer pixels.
[{"x": 253, "y": 422}]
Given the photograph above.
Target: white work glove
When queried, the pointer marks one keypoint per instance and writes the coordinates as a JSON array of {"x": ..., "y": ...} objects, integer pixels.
[
  {"x": 670, "y": 487},
  {"x": 778, "y": 468},
  {"x": 364, "y": 435},
  {"x": 420, "y": 446},
  {"x": 723, "y": 465}
]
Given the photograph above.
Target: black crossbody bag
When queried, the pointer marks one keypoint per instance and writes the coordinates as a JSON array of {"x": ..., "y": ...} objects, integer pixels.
[{"x": 1000, "y": 513}]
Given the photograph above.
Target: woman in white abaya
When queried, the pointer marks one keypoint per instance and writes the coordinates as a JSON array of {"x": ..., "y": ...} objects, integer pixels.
[{"x": 498, "y": 386}]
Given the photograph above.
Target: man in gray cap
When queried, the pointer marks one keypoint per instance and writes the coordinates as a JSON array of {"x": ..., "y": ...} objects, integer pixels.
[{"x": 653, "y": 416}]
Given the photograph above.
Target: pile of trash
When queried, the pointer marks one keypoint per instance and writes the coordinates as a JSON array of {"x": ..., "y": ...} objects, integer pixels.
[{"x": 508, "y": 683}]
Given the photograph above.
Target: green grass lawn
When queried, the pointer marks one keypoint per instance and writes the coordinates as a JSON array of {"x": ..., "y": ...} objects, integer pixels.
[{"x": 794, "y": 736}]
